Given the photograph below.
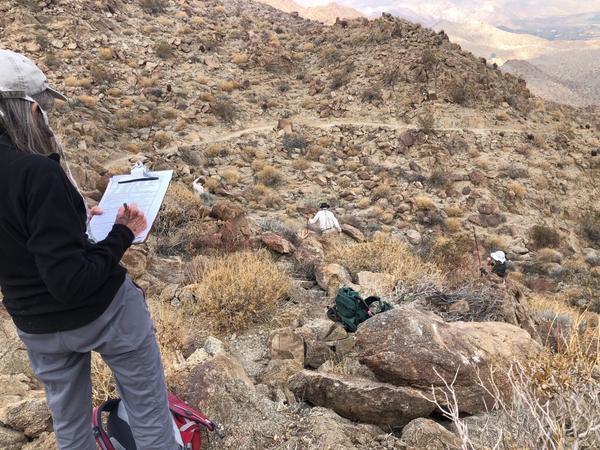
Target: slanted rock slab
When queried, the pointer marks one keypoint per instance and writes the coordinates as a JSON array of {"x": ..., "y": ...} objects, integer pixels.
[
  {"x": 408, "y": 347},
  {"x": 360, "y": 399},
  {"x": 425, "y": 434}
]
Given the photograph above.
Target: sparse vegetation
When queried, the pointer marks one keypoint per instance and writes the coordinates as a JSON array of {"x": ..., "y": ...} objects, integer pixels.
[
  {"x": 154, "y": 6},
  {"x": 294, "y": 141},
  {"x": 590, "y": 226},
  {"x": 426, "y": 122},
  {"x": 164, "y": 50},
  {"x": 224, "y": 109},
  {"x": 239, "y": 290},
  {"x": 544, "y": 236},
  {"x": 269, "y": 176}
]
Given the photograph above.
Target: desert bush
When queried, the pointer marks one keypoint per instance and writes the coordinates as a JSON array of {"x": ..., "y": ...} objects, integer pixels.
[
  {"x": 382, "y": 191},
  {"x": 163, "y": 50},
  {"x": 231, "y": 176},
  {"x": 154, "y": 6},
  {"x": 294, "y": 141},
  {"x": 391, "y": 76},
  {"x": 458, "y": 92},
  {"x": 269, "y": 176},
  {"x": 514, "y": 172},
  {"x": 383, "y": 254},
  {"x": 590, "y": 226},
  {"x": 339, "y": 78},
  {"x": 426, "y": 122},
  {"x": 301, "y": 164},
  {"x": 240, "y": 58},
  {"x": 224, "y": 109},
  {"x": 227, "y": 85},
  {"x": 52, "y": 60},
  {"x": 179, "y": 208},
  {"x": 439, "y": 178},
  {"x": 516, "y": 190},
  {"x": 239, "y": 290},
  {"x": 372, "y": 95},
  {"x": 423, "y": 202},
  {"x": 543, "y": 236}
]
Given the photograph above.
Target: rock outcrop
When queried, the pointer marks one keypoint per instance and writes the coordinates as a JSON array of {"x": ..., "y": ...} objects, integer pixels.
[
  {"x": 363, "y": 400},
  {"x": 408, "y": 347}
]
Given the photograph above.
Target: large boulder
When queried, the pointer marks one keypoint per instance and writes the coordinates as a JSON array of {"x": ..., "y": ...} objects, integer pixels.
[
  {"x": 13, "y": 354},
  {"x": 353, "y": 232},
  {"x": 31, "y": 416},
  {"x": 361, "y": 399},
  {"x": 286, "y": 344},
  {"x": 408, "y": 347},
  {"x": 324, "y": 340},
  {"x": 219, "y": 386},
  {"x": 278, "y": 244},
  {"x": 328, "y": 274},
  {"x": 425, "y": 434},
  {"x": 378, "y": 284},
  {"x": 11, "y": 439},
  {"x": 310, "y": 253}
]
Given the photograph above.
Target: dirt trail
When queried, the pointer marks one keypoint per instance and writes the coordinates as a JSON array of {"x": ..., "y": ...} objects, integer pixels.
[{"x": 325, "y": 124}]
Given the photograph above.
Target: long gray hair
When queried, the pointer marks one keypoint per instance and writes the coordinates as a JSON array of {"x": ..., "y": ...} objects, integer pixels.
[{"x": 30, "y": 132}]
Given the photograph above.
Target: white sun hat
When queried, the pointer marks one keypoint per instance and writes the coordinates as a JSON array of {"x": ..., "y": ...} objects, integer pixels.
[
  {"x": 21, "y": 78},
  {"x": 499, "y": 256}
]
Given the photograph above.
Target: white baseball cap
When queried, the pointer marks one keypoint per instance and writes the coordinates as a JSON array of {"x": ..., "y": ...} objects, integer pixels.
[
  {"x": 499, "y": 256},
  {"x": 21, "y": 78}
]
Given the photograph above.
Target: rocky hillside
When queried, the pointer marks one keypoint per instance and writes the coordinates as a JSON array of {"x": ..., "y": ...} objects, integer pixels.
[
  {"x": 325, "y": 13},
  {"x": 414, "y": 142}
]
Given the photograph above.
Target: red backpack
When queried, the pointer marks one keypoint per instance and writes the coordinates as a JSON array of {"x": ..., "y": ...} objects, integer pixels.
[{"x": 118, "y": 436}]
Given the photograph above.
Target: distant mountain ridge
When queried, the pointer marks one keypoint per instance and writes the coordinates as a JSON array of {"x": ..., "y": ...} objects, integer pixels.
[{"x": 326, "y": 13}]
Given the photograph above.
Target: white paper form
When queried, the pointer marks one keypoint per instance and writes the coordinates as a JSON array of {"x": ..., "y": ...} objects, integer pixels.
[{"x": 144, "y": 191}]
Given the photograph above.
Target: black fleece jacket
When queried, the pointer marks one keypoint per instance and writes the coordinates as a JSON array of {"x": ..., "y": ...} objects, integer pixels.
[{"x": 52, "y": 278}]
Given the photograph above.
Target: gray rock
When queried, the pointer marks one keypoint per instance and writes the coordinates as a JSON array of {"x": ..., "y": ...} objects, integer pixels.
[{"x": 361, "y": 399}]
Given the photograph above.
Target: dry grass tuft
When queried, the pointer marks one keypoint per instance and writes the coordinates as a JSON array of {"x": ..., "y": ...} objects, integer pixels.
[
  {"x": 384, "y": 254},
  {"x": 231, "y": 176},
  {"x": 269, "y": 176},
  {"x": 238, "y": 290},
  {"x": 423, "y": 202}
]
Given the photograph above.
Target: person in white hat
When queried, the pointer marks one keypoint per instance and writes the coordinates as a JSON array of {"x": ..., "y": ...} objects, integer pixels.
[
  {"x": 66, "y": 295},
  {"x": 498, "y": 263}
]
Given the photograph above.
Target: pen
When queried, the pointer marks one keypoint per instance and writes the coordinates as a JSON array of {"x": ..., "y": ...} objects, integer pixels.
[
  {"x": 139, "y": 179},
  {"x": 126, "y": 207}
]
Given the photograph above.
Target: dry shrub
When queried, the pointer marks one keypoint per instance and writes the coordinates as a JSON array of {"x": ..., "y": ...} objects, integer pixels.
[
  {"x": 87, "y": 100},
  {"x": 164, "y": 50},
  {"x": 231, "y": 176},
  {"x": 239, "y": 290},
  {"x": 439, "y": 178},
  {"x": 73, "y": 81},
  {"x": 384, "y": 254},
  {"x": 240, "y": 58},
  {"x": 453, "y": 224},
  {"x": 543, "y": 236},
  {"x": 227, "y": 85},
  {"x": 269, "y": 176},
  {"x": 590, "y": 226},
  {"x": 301, "y": 164},
  {"x": 382, "y": 191},
  {"x": 224, "y": 109},
  {"x": 454, "y": 211},
  {"x": 106, "y": 53},
  {"x": 315, "y": 152},
  {"x": 516, "y": 190},
  {"x": 423, "y": 202},
  {"x": 179, "y": 208},
  {"x": 154, "y": 6},
  {"x": 426, "y": 122}
]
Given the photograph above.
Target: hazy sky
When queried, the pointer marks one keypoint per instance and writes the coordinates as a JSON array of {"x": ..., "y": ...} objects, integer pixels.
[{"x": 523, "y": 8}]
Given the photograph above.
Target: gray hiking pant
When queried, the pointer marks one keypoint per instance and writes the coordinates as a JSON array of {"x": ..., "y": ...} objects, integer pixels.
[{"x": 124, "y": 337}]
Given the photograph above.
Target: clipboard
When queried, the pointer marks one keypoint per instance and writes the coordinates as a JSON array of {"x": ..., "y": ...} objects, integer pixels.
[{"x": 146, "y": 189}]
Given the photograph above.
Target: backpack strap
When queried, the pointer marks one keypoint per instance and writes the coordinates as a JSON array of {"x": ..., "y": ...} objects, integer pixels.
[{"x": 98, "y": 430}]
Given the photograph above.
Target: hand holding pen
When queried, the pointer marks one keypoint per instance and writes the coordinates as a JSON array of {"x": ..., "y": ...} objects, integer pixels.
[{"x": 132, "y": 217}]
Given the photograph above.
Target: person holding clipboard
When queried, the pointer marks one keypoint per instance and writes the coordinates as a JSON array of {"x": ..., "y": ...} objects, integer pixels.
[{"x": 67, "y": 296}]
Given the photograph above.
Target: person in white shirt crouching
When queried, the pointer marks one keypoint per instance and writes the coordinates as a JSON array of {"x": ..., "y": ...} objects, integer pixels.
[{"x": 327, "y": 220}]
